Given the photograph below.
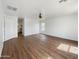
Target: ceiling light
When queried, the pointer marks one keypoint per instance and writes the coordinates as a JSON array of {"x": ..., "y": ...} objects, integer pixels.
[{"x": 40, "y": 15}]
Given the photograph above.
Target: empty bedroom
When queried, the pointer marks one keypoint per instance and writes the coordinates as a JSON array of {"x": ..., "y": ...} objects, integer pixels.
[{"x": 38, "y": 29}]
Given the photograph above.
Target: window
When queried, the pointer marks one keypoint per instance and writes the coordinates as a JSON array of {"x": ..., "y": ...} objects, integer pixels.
[{"x": 43, "y": 26}]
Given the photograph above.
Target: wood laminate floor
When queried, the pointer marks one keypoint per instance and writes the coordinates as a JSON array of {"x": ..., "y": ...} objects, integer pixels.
[{"x": 39, "y": 46}]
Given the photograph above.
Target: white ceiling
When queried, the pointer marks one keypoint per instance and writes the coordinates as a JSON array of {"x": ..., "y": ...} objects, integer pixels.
[{"x": 32, "y": 8}]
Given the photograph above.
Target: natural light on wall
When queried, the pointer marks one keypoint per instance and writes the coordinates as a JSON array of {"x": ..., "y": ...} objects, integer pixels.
[{"x": 68, "y": 48}]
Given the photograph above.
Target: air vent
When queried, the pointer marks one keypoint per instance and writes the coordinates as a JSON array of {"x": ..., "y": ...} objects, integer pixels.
[
  {"x": 62, "y": 1},
  {"x": 11, "y": 8}
]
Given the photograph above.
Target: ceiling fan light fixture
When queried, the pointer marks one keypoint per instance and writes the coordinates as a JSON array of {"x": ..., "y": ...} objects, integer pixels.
[{"x": 40, "y": 15}]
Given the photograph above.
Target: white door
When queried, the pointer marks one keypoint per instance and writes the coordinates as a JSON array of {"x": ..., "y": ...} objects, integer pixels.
[{"x": 10, "y": 27}]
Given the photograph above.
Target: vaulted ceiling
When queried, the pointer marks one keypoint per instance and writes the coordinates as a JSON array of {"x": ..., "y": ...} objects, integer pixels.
[{"x": 32, "y": 8}]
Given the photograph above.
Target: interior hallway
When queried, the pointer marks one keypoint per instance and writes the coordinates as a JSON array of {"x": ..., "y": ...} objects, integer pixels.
[{"x": 39, "y": 46}]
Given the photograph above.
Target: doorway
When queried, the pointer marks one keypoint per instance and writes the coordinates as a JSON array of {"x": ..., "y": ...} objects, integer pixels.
[{"x": 20, "y": 26}]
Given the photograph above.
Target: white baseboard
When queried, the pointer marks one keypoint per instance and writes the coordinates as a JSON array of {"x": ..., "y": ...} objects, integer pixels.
[
  {"x": 30, "y": 34},
  {"x": 60, "y": 37}
]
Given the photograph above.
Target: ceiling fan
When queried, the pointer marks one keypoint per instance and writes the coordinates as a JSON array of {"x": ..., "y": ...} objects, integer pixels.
[{"x": 40, "y": 15}]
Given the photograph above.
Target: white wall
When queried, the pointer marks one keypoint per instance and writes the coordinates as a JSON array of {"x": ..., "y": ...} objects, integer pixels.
[
  {"x": 64, "y": 27},
  {"x": 1, "y": 27},
  {"x": 1, "y": 32},
  {"x": 1, "y": 22},
  {"x": 11, "y": 27},
  {"x": 31, "y": 26}
]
